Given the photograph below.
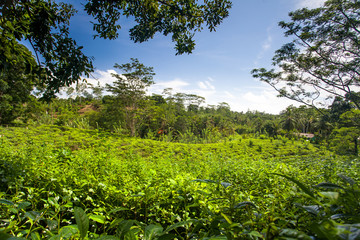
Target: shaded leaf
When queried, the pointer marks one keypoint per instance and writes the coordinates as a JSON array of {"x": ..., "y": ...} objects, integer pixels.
[
  {"x": 7, "y": 202},
  {"x": 245, "y": 204},
  {"x": 313, "y": 209},
  {"x": 151, "y": 231},
  {"x": 82, "y": 221},
  {"x": 255, "y": 234},
  {"x": 340, "y": 216},
  {"x": 5, "y": 236},
  {"x": 204, "y": 180},
  {"x": 115, "y": 222},
  {"x": 167, "y": 237},
  {"x": 68, "y": 231},
  {"x": 33, "y": 215},
  {"x": 347, "y": 179},
  {"x": 293, "y": 234},
  {"x": 179, "y": 224},
  {"x": 130, "y": 235},
  {"x": 52, "y": 224},
  {"x": 107, "y": 238},
  {"x": 216, "y": 238},
  {"x": 115, "y": 210},
  {"x": 225, "y": 184},
  {"x": 328, "y": 186},
  {"x": 124, "y": 227},
  {"x": 23, "y": 205},
  {"x": 301, "y": 185}
]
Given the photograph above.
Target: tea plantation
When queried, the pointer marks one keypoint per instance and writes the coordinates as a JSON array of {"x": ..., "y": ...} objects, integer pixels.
[{"x": 67, "y": 183}]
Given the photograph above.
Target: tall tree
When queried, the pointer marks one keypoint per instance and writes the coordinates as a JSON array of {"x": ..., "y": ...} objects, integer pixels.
[
  {"x": 44, "y": 24},
  {"x": 323, "y": 59},
  {"x": 17, "y": 84},
  {"x": 130, "y": 89}
]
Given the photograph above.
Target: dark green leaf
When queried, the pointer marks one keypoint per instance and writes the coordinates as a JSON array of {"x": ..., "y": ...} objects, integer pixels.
[
  {"x": 107, "y": 238},
  {"x": 290, "y": 234},
  {"x": 167, "y": 237},
  {"x": 328, "y": 186},
  {"x": 225, "y": 184},
  {"x": 7, "y": 202},
  {"x": 82, "y": 221},
  {"x": 347, "y": 179},
  {"x": 130, "y": 235},
  {"x": 301, "y": 185},
  {"x": 313, "y": 209},
  {"x": 245, "y": 204},
  {"x": 179, "y": 224},
  {"x": 152, "y": 231},
  {"x": 68, "y": 231},
  {"x": 204, "y": 180},
  {"x": 124, "y": 227},
  {"x": 23, "y": 205},
  {"x": 5, "y": 236},
  {"x": 115, "y": 210}
]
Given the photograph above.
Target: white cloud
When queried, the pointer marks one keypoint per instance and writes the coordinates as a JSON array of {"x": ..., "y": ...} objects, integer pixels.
[
  {"x": 261, "y": 98},
  {"x": 309, "y": 3},
  {"x": 202, "y": 85},
  {"x": 206, "y": 85},
  {"x": 229, "y": 95},
  {"x": 177, "y": 85},
  {"x": 263, "y": 101},
  {"x": 267, "y": 43},
  {"x": 265, "y": 46}
]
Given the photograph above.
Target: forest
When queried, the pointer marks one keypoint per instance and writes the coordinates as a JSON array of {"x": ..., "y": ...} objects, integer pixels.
[{"x": 115, "y": 161}]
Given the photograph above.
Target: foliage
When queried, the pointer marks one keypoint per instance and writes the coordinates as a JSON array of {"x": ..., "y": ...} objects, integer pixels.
[
  {"x": 61, "y": 182},
  {"x": 45, "y": 25},
  {"x": 346, "y": 136},
  {"x": 129, "y": 90},
  {"x": 181, "y": 19},
  {"x": 61, "y": 62},
  {"x": 15, "y": 84},
  {"x": 323, "y": 59}
]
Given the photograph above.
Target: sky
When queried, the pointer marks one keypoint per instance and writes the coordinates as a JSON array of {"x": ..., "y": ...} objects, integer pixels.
[{"x": 219, "y": 67}]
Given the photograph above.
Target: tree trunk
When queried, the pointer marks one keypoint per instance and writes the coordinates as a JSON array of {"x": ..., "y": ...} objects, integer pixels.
[{"x": 356, "y": 146}]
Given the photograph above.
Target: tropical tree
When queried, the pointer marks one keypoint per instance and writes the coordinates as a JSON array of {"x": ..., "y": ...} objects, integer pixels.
[
  {"x": 345, "y": 138},
  {"x": 16, "y": 84},
  {"x": 130, "y": 90},
  {"x": 289, "y": 120},
  {"x": 44, "y": 24},
  {"x": 323, "y": 59},
  {"x": 97, "y": 90}
]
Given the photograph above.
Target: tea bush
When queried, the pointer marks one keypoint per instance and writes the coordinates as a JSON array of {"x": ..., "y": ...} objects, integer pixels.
[{"x": 67, "y": 183}]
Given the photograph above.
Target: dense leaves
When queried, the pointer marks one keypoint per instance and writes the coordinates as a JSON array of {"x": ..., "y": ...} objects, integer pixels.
[
  {"x": 44, "y": 25},
  {"x": 16, "y": 83},
  {"x": 56, "y": 177},
  {"x": 181, "y": 19},
  {"x": 129, "y": 91},
  {"x": 323, "y": 60}
]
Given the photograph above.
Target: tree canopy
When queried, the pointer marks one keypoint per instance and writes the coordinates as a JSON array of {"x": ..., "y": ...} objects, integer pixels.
[
  {"x": 44, "y": 24},
  {"x": 323, "y": 59}
]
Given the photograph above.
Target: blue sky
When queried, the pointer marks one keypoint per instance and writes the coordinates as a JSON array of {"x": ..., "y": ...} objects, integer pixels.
[{"x": 219, "y": 67}]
